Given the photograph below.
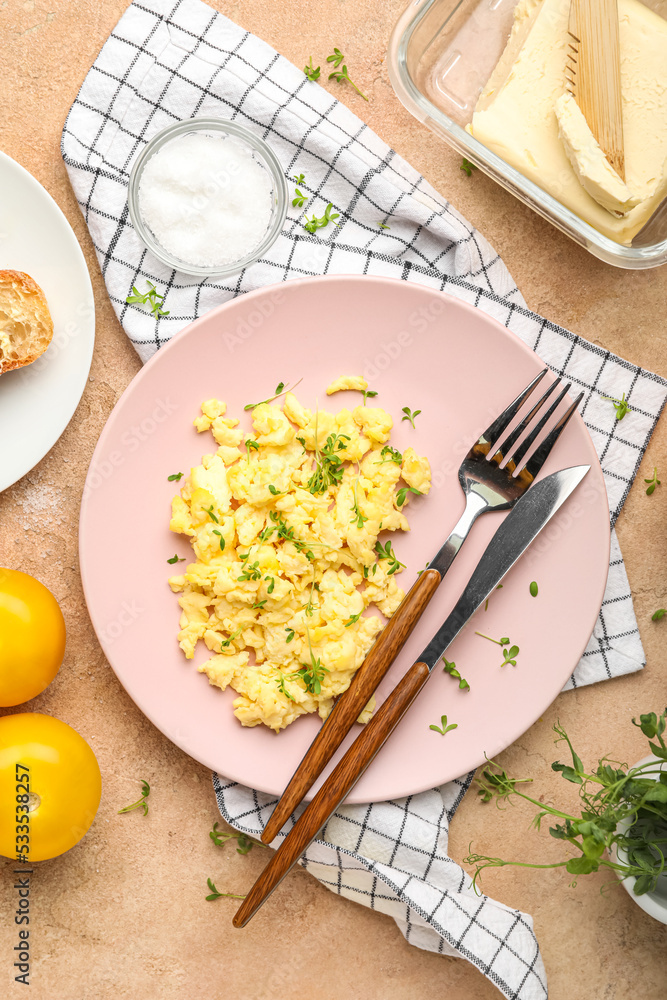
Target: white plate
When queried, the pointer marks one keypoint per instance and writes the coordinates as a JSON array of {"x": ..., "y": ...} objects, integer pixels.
[{"x": 37, "y": 402}]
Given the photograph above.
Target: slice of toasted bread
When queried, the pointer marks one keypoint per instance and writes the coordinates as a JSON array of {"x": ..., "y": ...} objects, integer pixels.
[{"x": 26, "y": 327}]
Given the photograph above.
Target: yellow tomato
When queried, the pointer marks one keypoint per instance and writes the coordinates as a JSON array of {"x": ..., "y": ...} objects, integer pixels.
[
  {"x": 50, "y": 786},
  {"x": 32, "y": 637}
]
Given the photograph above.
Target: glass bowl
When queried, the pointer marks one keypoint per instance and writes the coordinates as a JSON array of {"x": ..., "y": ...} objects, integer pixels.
[
  {"x": 441, "y": 54},
  {"x": 260, "y": 151}
]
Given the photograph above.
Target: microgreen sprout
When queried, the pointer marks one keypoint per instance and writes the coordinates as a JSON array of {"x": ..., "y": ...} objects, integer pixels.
[
  {"x": 336, "y": 57},
  {"x": 312, "y": 72},
  {"x": 510, "y": 652},
  {"x": 387, "y": 552},
  {"x": 657, "y": 615},
  {"x": 251, "y": 443},
  {"x": 443, "y": 728},
  {"x": 621, "y": 823},
  {"x": 652, "y": 482},
  {"x": 175, "y": 477},
  {"x": 209, "y": 511},
  {"x": 467, "y": 167},
  {"x": 329, "y": 467},
  {"x": 140, "y": 803},
  {"x": 341, "y": 75},
  {"x": 226, "y": 643},
  {"x": 220, "y": 538},
  {"x": 352, "y": 620},
  {"x": 281, "y": 389},
  {"x": 358, "y": 518},
  {"x": 620, "y": 405},
  {"x": 389, "y": 454},
  {"x": 410, "y": 415},
  {"x": 152, "y": 297},
  {"x": 281, "y": 687},
  {"x": 450, "y": 668},
  {"x": 251, "y": 571},
  {"x": 245, "y": 843},
  {"x": 176, "y": 559},
  {"x": 290, "y": 633},
  {"x": 383, "y": 225},
  {"x": 299, "y": 198},
  {"x": 312, "y": 674},
  {"x": 402, "y": 494},
  {"x": 368, "y": 394},
  {"x": 214, "y": 894},
  {"x": 311, "y": 225}
]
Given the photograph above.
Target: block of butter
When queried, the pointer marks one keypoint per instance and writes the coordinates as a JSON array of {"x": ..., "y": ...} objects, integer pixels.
[{"x": 515, "y": 115}]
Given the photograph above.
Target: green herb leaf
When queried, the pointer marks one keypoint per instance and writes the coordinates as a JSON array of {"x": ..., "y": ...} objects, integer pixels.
[
  {"x": 312, "y": 72},
  {"x": 620, "y": 405},
  {"x": 467, "y": 167},
  {"x": 329, "y": 467},
  {"x": 245, "y": 843},
  {"x": 312, "y": 225},
  {"x": 652, "y": 482},
  {"x": 410, "y": 415},
  {"x": 299, "y": 198},
  {"x": 443, "y": 728},
  {"x": 343, "y": 75},
  {"x": 152, "y": 297},
  {"x": 281, "y": 389},
  {"x": 140, "y": 803},
  {"x": 389, "y": 454},
  {"x": 214, "y": 894},
  {"x": 450, "y": 668},
  {"x": 352, "y": 620},
  {"x": 386, "y": 552},
  {"x": 657, "y": 615},
  {"x": 336, "y": 58},
  {"x": 220, "y": 536},
  {"x": 312, "y": 674},
  {"x": 281, "y": 687},
  {"x": 226, "y": 643},
  {"x": 175, "y": 477},
  {"x": 383, "y": 225},
  {"x": 402, "y": 494},
  {"x": 175, "y": 559}
]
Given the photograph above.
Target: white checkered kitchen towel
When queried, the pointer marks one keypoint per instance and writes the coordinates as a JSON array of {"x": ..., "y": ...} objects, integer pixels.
[{"x": 166, "y": 61}]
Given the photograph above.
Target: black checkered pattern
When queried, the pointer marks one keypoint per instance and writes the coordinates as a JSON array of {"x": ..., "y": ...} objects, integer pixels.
[
  {"x": 168, "y": 60},
  {"x": 392, "y": 857}
]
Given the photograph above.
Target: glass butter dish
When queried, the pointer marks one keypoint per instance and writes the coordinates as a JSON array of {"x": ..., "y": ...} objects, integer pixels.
[{"x": 441, "y": 55}]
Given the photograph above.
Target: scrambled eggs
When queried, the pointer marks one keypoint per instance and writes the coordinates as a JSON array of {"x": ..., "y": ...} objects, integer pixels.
[{"x": 284, "y": 526}]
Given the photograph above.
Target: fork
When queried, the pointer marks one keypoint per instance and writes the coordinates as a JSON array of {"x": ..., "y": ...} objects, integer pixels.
[{"x": 492, "y": 477}]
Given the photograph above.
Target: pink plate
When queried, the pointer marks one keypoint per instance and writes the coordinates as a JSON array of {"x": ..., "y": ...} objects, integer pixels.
[{"x": 417, "y": 348}]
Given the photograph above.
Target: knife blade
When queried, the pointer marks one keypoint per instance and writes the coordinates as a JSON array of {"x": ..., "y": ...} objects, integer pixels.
[
  {"x": 521, "y": 526},
  {"x": 518, "y": 530}
]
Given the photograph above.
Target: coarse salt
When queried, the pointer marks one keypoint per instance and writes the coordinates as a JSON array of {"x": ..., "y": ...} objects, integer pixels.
[{"x": 206, "y": 199}]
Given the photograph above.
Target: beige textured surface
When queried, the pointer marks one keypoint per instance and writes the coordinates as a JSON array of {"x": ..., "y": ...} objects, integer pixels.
[{"x": 123, "y": 914}]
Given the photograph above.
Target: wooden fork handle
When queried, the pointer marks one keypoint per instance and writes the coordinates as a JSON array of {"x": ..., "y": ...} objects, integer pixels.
[
  {"x": 351, "y": 704},
  {"x": 337, "y": 786}
]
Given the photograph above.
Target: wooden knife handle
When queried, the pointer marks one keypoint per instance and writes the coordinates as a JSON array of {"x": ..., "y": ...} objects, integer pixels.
[
  {"x": 337, "y": 786},
  {"x": 352, "y": 702}
]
